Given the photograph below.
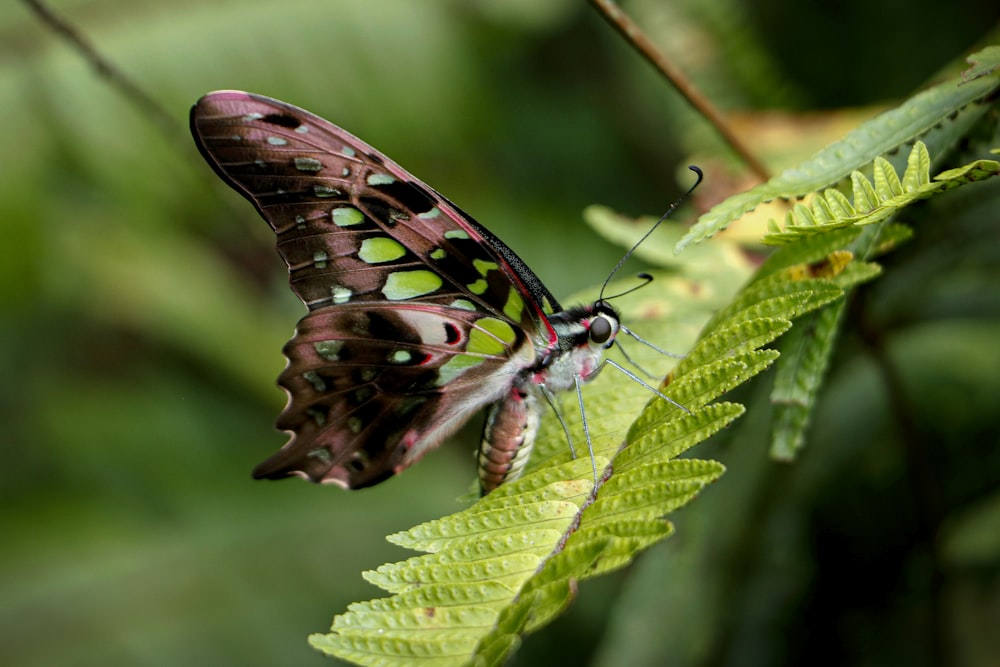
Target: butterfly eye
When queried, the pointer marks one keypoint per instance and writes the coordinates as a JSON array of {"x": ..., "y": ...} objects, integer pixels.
[{"x": 600, "y": 329}]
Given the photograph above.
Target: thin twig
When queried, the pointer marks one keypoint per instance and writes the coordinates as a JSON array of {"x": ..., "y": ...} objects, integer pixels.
[
  {"x": 104, "y": 68},
  {"x": 634, "y": 36}
]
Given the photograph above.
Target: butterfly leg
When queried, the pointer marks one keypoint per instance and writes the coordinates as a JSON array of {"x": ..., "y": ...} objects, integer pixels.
[
  {"x": 551, "y": 400},
  {"x": 578, "y": 382},
  {"x": 635, "y": 378}
]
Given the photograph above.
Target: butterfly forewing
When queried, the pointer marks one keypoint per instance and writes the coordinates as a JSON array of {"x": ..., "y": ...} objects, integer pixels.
[
  {"x": 342, "y": 209},
  {"x": 418, "y": 315}
]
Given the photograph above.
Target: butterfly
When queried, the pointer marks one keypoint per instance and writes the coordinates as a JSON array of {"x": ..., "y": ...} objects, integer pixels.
[{"x": 418, "y": 316}]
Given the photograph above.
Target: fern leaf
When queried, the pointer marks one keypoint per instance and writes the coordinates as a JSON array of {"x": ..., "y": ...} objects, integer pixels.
[
  {"x": 671, "y": 439},
  {"x": 952, "y": 102},
  {"x": 875, "y": 201},
  {"x": 511, "y": 562},
  {"x": 805, "y": 354}
]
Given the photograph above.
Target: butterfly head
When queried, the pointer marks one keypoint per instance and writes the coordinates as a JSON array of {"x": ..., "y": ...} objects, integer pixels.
[
  {"x": 592, "y": 326},
  {"x": 602, "y": 325}
]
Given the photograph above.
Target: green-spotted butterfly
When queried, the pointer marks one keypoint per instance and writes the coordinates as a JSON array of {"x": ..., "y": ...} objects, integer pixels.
[{"x": 418, "y": 315}]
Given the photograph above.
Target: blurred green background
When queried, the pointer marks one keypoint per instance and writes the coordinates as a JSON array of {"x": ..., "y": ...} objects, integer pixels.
[{"x": 143, "y": 310}]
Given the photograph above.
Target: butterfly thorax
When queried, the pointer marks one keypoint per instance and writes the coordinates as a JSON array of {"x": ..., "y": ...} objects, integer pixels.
[{"x": 583, "y": 333}]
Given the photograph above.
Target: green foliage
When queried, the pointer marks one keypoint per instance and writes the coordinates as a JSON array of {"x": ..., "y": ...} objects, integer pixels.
[
  {"x": 144, "y": 311},
  {"x": 948, "y": 110},
  {"x": 876, "y": 201},
  {"x": 512, "y": 562}
]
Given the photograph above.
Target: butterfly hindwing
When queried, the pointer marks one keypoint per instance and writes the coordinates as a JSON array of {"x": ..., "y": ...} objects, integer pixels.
[
  {"x": 374, "y": 385},
  {"x": 418, "y": 315}
]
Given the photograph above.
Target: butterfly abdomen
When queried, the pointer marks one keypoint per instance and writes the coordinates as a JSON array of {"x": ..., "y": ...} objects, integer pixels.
[{"x": 508, "y": 437}]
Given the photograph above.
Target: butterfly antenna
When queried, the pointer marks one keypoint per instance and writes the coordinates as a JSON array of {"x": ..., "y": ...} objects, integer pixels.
[
  {"x": 663, "y": 217},
  {"x": 644, "y": 277}
]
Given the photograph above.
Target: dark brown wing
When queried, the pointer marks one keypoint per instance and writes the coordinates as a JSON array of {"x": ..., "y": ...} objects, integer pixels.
[{"x": 418, "y": 314}]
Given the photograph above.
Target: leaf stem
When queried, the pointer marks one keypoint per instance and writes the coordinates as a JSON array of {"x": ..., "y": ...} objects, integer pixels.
[
  {"x": 634, "y": 35},
  {"x": 118, "y": 79}
]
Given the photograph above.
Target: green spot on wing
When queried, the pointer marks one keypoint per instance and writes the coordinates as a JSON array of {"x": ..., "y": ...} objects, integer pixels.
[
  {"x": 308, "y": 164},
  {"x": 400, "y": 357},
  {"x": 464, "y": 304},
  {"x": 314, "y": 378},
  {"x": 482, "y": 343},
  {"x": 439, "y": 253},
  {"x": 483, "y": 266},
  {"x": 326, "y": 191},
  {"x": 380, "y": 179},
  {"x": 341, "y": 294},
  {"x": 490, "y": 336},
  {"x": 498, "y": 328},
  {"x": 347, "y": 216},
  {"x": 320, "y": 454},
  {"x": 401, "y": 285},
  {"x": 478, "y": 287},
  {"x": 428, "y": 215},
  {"x": 329, "y": 349},
  {"x": 455, "y": 366},
  {"x": 456, "y": 234},
  {"x": 317, "y": 416},
  {"x": 380, "y": 249},
  {"x": 514, "y": 306}
]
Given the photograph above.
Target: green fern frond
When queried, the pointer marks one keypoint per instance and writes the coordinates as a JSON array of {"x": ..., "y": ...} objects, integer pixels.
[
  {"x": 805, "y": 353},
  {"x": 510, "y": 563},
  {"x": 877, "y": 200},
  {"x": 950, "y": 107},
  {"x": 806, "y": 350}
]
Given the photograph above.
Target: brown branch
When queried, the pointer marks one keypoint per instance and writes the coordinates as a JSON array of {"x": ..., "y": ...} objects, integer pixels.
[
  {"x": 634, "y": 36},
  {"x": 132, "y": 92}
]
